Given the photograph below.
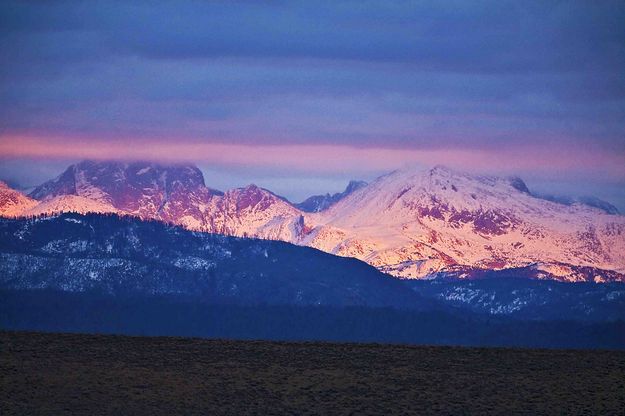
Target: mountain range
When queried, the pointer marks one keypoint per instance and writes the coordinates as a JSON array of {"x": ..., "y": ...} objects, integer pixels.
[{"x": 409, "y": 223}]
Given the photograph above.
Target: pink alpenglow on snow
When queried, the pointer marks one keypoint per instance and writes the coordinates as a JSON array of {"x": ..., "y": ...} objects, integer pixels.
[{"x": 411, "y": 223}]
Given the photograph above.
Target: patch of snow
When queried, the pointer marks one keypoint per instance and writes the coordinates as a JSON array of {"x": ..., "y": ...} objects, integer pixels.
[{"x": 144, "y": 170}]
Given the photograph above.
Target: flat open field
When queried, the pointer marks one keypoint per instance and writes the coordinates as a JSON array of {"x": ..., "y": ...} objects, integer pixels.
[{"x": 91, "y": 374}]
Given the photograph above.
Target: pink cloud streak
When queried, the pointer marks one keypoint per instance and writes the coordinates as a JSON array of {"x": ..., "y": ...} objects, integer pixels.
[{"x": 323, "y": 158}]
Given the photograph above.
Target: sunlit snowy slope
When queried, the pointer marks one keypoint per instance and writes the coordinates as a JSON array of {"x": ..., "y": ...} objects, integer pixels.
[{"x": 410, "y": 223}]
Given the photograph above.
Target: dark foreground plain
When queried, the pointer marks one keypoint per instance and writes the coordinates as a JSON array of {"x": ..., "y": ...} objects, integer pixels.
[{"x": 46, "y": 373}]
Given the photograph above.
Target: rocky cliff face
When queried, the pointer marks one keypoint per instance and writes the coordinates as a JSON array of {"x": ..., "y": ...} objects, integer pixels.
[
  {"x": 174, "y": 193},
  {"x": 318, "y": 203}
]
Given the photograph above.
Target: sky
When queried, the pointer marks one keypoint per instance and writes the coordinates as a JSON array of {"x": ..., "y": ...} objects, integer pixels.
[{"x": 301, "y": 96}]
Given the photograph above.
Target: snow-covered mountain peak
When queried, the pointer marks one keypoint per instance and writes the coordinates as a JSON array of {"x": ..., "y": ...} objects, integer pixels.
[
  {"x": 123, "y": 184},
  {"x": 416, "y": 222},
  {"x": 251, "y": 190},
  {"x": 442, "y": 170},
  {"x": 174, "y": 192},
  {"x": 254, "y": 196},
  {"x": 448, "y": 190},
  {"x": 253, "y": 212},
  {"x": 13, "y": 202},
  {"x": 438, "y": 187}
]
